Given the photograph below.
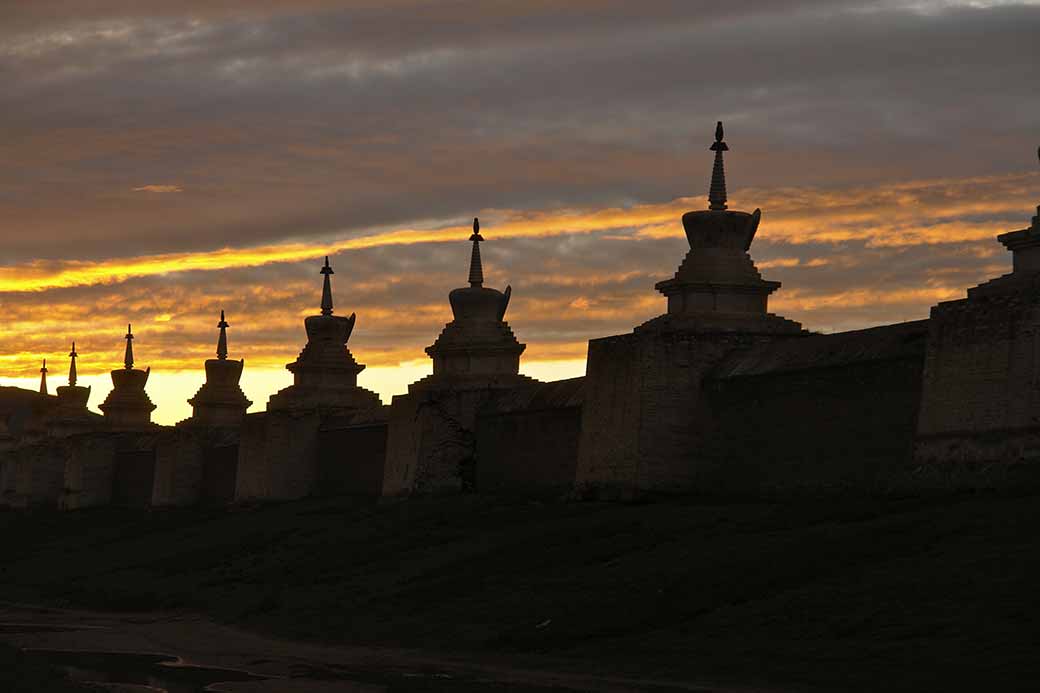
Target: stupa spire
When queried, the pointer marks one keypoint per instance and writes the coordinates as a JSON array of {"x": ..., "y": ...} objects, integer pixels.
[
  {"x": 43, "y": 378},
  {"x": 222, "y": 339},
  {"x": 128, "y": 355},
  {"x": 476, "y": 270},
  {"x": 326, "y": 289},
  {"x": 72, "y": 365},
  {"x": 717, "y": 191}
]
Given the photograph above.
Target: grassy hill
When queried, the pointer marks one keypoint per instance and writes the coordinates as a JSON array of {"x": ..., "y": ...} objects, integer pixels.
[{"x": 916, "y": 595}]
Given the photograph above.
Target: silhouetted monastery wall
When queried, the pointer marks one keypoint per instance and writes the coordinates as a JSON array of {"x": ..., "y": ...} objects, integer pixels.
[
  {"x": 351, "y": 457},
  {"x": 432, "y": 444},
  {"x": 715, "y": 396},
  {"x": 278, "y": 455},
  {"x": 89, "y": 471},
  {"x": 178, "y": 462},
  {"x": 527, "y": 441},
  {"x": 39, "y": 474},
  {"x": 980, "y": 412},
  {"x": 825, "y": 413},
  {"x": 646, "y": 419},
  {"x": 133, "y": 484}
]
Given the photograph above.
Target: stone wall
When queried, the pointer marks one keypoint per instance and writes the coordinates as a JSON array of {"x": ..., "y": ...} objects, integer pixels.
[
  {"x": 8, "y": 477},
  {"x": 179, "y": 468},
  {"x": 609, "y": 446},
  {"x": 277, "y": 455},
  {"x": 39, "y": 470},
  {"x": 527, "y": 441},
  {"x": 645, "y": 417},
  {"x": 828, "y": 413},
  {"x": 352, "y": 458},
  {"x": 134, "y": 470},
  {"x": 250, "y": 470},
  {"x": 980, "y": 413},
  {"x": 402, "y": 446},
  {"x": 219, "y": 473},
  {"x": 431, "y": 441},
  {"x": 89, "y": 470}
]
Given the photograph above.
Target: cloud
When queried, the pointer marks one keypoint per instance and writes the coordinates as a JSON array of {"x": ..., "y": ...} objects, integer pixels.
[
  {"x": 159, "y": 189},
  {"x": 912, "y": 213},
  {"x": 306, "y": 122},
  {"x": 848, "y": 258},
  {"x": 884, "y": 154}
]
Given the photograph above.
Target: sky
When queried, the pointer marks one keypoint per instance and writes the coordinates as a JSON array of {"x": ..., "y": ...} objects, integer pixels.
[{"x": 160, "y": 162}]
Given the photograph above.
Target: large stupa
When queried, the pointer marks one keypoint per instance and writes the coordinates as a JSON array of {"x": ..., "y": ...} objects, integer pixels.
[{"x": 717, "y": 287}]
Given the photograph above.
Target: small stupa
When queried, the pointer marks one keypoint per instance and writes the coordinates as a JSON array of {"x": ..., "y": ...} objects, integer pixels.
[
  {"x": 478, "y": 345},
  {"x": 325, "y": 373},
  {"x": 71, "y": 414},
  {"x": 73, "y": 398},
  {"x": 128, "y": 405},
  {"x": 220, "y": 401},
  {"x": 717, "y": 286}
]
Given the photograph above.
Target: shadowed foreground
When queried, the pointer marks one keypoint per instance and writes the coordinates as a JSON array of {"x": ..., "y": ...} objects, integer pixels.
[{"x": 870, "y": 594}]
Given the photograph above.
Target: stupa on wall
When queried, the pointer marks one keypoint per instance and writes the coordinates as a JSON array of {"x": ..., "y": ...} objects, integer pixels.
[
  {"x": 325, "y": 373},
  {"x": 71, "y": 412},
  {"x": 128, "y": 405},
  {"x": 717, "y": 286},
  {"x": 220, "y": 401},
  {"x": 477, "y": 347}
]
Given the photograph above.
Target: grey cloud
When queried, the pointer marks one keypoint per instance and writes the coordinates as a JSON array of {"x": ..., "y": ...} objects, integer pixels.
[{"x": 280, "y": 122}]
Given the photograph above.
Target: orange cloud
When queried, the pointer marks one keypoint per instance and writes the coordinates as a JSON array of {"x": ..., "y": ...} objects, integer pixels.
[
  {"x": 563, "y": 301},
  {"x": 903, "y": 214},
  {"x": 159, "y": 189}
]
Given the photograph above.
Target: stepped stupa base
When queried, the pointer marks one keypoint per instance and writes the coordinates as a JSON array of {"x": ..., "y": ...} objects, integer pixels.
[{"x": 296, "y": 397}]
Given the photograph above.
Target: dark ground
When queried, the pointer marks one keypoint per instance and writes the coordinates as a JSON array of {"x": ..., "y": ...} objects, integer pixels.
[{"x": 917, "y": 595}]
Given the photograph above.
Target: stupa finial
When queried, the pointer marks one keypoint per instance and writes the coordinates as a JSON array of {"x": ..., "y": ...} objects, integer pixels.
[
  {"x": 128, "y": 355},
  {"x": 717, "y": 191},
  {"x": 326, "y": 289},
  {"x": 476, "y": 270},
  {"x": 222, "y": 339},
  {"x": 72, "y": 365},
  {"x": 43, "y": 378}
]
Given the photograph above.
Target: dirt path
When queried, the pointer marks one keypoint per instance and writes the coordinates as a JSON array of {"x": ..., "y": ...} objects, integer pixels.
[{"x": 300, "y": 667}]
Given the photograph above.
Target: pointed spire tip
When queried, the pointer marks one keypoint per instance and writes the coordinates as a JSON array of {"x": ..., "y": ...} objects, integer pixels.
[
  {"x": 476, "y": 269},
  {"x": 717, "y": 189},
  {"x": 72, "y": 365},
  {"x": 326, "y": 289},
  {"x": 128, "y": 355},
  {"x": 222, "y": 338}
]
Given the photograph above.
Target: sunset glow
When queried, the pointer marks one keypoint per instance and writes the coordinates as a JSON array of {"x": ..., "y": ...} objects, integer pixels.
[{"x": 162, "y": 165}]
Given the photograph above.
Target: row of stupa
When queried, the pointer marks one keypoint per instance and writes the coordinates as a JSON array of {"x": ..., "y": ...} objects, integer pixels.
[
  {"x": 476, "y": 344},
  {"x": 716, "y": 395}
]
